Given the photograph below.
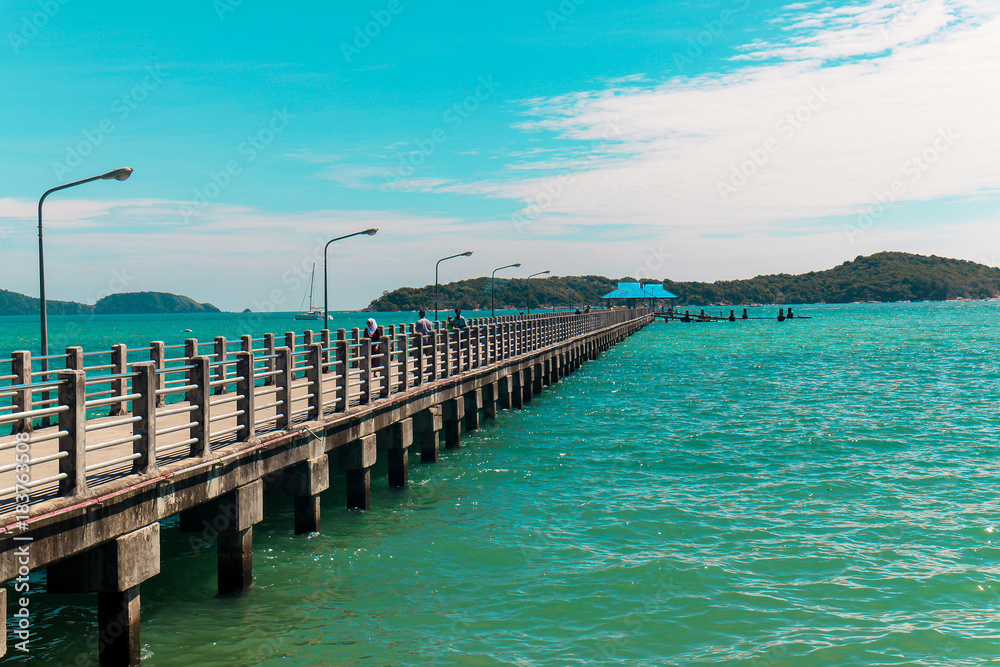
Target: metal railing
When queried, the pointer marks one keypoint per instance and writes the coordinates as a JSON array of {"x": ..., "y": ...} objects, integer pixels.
[{"x": 115, "y": 416}]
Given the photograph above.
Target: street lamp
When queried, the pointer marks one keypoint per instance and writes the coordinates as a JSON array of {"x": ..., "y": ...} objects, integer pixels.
[
  {"x": 120, "y": 174},
  {"x": 467, "y": 253},
  {"x": 493, "y": 285},
  {"x": 326, "y": 313},
  {"x": 540, "y": 273}
]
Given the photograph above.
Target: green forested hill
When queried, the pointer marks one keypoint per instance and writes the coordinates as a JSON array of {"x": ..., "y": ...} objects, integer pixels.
[
  {"x": 12, "y": 303},
  {"x": 884, "y": 276}
]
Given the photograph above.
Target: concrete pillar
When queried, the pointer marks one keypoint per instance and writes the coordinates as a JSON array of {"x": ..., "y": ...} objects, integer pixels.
[
  {"x": 505, "y": 389},
  {"x": 231, "y": 517},
  {"x": 357, "y": 459},
  {"x": 304, "y": 482},
  {"x": 114, "y": 571},
  {"x": 427, "y": 426},
  {"x": 538, "y": 375},
  {"x": 454, "y": 415},
  {"x": 395, "y": 440},
  {"x": 490, "y": 401},
  {"x": 527, "y": 384},
  {"x": 516, "y": 390},
  {"x": 473, "y": 404}
]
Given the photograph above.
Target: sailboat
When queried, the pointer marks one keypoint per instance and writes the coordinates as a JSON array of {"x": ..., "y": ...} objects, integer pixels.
[{"x": 314, "y": 312}]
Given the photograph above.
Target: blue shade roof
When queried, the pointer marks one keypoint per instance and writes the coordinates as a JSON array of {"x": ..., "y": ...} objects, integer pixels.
[{"x": 638, "y": 291}]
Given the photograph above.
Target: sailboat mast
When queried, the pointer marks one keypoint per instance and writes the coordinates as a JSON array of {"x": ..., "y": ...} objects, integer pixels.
[{"x": 312, "y": 281}]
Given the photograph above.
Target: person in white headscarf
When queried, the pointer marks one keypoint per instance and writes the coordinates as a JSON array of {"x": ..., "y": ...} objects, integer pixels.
[{"x": 374, "y": 332}]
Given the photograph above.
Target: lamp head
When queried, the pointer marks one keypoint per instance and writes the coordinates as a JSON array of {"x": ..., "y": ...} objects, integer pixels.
[
  {"x": 372, "y": 232},
  {"x": 518, "y": 264},
  {"x": 120, "y": 174},
  {"x": 544, "y": 272},
  {"x": 467, "y": 254}
]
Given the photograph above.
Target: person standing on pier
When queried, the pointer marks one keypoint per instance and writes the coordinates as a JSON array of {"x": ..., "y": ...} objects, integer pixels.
[
  {"x": 424, "y": 326},
  {"x": 374, "y": 332}
]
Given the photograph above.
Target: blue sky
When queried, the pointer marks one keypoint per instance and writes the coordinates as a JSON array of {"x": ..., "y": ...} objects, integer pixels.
[{"x": 690, "y": 141}]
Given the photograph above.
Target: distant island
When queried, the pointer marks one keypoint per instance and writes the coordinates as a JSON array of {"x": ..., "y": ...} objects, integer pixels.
[
  {"x": 881, "y": 277},
  {"x": 129, "y": 303}
]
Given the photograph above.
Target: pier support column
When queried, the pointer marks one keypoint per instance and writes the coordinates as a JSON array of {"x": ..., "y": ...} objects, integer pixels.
[
  {"x": 490, "y": 401},
  {"x": 527, "y": 384},
  {"x": 473, "y": 404},
  {"x": 538, "y": 376},
  {"x": 357, "y": 459},
  {"x": 304, "y": 482},
  {"x": 516, "y": 390},
  {"x": 114, "y": 571},
  {"x": 505, "y": 390},
  {"x": 395, "y": 440},
  {"x": 427, "y": 426},
  {"x": 3, "y": 621},
  {"x": 454, "y": 414},
  {"x": 231, "y": 517}
]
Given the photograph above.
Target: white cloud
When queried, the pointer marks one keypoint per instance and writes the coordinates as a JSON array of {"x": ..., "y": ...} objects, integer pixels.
[{"x": 775, "y": 144}]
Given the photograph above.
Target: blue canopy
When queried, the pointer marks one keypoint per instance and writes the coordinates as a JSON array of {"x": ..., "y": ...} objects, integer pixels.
[{"x": 639, "y": 291}]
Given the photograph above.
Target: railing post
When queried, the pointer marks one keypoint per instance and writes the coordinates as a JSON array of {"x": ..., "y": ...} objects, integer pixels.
[
  {"x": 119, "y": 360},
  {"x": 283, "y": 382},
  {"x": 435, "y": 337},
  {"x": 21, "y": 368},
  {"x": 190, "y": 352},
  {"x": 418, "y": 359},
  {"x": 158, "y": 355},
  {"x": 220, "y": 359},
  {"x": 325, "y": 339},
  {"x": 199, "y": 399},
  {"x": 74, "y": 358},
  {"x": 314, "y": 358},
  {"x": 343, "y": 369},
  {"x": 144, "y": 407},
  {"x": 269, "y": 364},
  {"x": 404, "y": 362},
  {"x": 290, "y": 344},
  {"x": 245, "y": 389},
  {"x": 73, "y": 394},
  {"x": 366, "y": 370}
]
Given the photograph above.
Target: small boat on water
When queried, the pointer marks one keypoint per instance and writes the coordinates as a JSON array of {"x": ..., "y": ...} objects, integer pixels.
[{"x": 314, "y": 312}]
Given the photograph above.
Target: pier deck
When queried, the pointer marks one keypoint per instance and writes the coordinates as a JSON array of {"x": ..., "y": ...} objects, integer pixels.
[{"x": 205, "y": 436}]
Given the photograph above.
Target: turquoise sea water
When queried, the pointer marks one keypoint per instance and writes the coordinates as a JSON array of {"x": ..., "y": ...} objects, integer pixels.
[{"x": 815, "y": 492}]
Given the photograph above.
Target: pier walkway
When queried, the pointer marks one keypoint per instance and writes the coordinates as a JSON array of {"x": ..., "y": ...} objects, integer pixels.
[{"x": 93, "y": 457}]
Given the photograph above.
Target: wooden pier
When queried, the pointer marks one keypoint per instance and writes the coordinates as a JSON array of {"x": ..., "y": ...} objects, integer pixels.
[
  {"x": 207, "y": 433},
  {"x": 675, "y": 315}
]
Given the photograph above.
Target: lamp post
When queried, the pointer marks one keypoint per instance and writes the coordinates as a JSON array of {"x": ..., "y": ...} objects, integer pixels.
[
  {"x": 493, "y": 285},
  {"x": 326, "y": 313},
  {"x": 540, "y": 273},
  {"x": 467, "y": 253},
  {"x": 119, "y": 174}
]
